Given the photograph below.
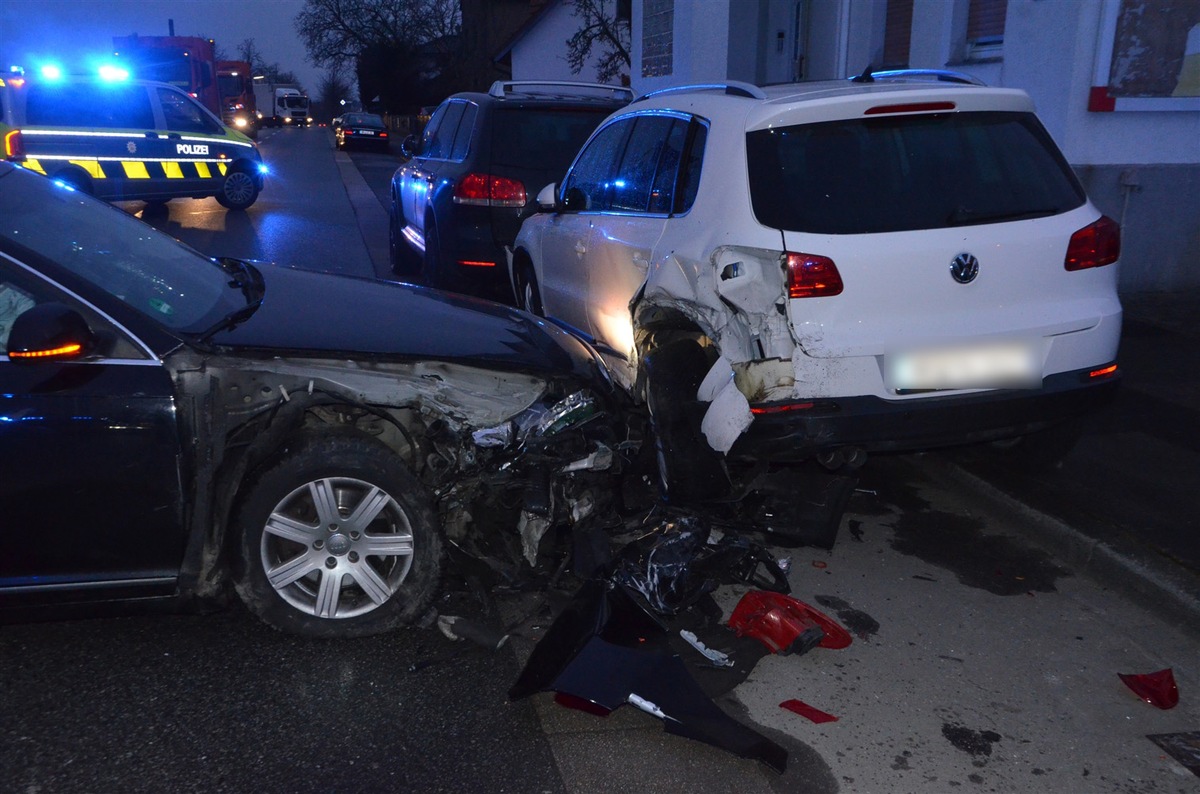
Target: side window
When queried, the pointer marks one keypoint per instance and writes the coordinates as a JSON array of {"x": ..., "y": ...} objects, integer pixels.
[
  {"x": 587, "y": 185},
  {"x": 435, "y": 122},
  {"x": 662, "y": 195},
  {"x": 639, "y": 165},
  {"x": 442, "y": 141},
  {"x": 182, "y": 114},
  {"x": 689, "y": 177},
  {"x": 462, "y": 139},
  {"x": 89, "y": 105},
  {"x": 14, "y": 300}
]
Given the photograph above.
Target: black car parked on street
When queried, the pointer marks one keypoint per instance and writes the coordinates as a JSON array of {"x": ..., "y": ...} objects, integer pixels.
[{"x": 482, "y": 158}]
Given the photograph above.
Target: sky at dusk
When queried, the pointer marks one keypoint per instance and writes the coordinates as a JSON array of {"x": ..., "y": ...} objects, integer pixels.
[{"x": 76, "y": 33}]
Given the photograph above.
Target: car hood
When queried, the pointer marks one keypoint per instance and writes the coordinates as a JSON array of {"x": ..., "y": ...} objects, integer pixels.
[{"x": 309, "y": 313}]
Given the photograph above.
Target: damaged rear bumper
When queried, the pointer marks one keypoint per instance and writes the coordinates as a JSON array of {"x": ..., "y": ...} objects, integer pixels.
[{"x": 878, "y": 425}]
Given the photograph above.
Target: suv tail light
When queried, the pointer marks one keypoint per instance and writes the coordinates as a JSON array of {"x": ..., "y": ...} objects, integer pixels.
[
  {"x": 812, "y": 276},
  {"x": 1094, "y": 246},
  {"x": 485, "y": 190},
  {"x": 14, "y": 146}
]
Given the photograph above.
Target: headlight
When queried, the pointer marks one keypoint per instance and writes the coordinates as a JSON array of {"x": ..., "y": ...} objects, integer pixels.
[
  {"x": 309, "y": 119},
  {"x": 240, "y": 121},
  {"x": 287, "y": 119}
]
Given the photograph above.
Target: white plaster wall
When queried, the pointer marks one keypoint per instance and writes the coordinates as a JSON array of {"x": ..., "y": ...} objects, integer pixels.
[
  {"x": 1050, "y": 51},
  {"x": 542, "y": 53}
]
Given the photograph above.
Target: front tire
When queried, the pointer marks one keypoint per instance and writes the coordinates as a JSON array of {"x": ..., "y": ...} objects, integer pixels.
[
  {"x": 336, "y": 538},
  {"x": 239, "y": 189},
  {"x": 529, "y": 297}
]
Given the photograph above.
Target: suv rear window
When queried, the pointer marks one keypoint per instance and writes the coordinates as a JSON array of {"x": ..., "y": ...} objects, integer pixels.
[
  {"x": 527, "y": 136},
  {"x": 903, "y": 173}
]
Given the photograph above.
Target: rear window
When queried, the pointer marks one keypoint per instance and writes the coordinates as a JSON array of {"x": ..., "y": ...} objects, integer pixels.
[
  {"x": 545, "y": 138},
  {"x": 903, "y": 173},
  {"x": 88, "y": 105}
]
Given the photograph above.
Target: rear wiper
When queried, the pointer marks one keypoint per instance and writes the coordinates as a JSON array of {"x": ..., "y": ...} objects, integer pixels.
[
  {"x": 962, "y": 216},
  {"x": 249, "y": 280}
]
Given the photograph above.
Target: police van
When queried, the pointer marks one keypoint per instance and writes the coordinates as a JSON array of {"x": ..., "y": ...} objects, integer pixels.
[{"x": 122, "y": 140}]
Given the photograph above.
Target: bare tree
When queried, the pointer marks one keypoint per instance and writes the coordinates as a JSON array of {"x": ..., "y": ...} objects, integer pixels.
[
  {"x": 248, "y": 51},
  {"x": 334, "y": 89},
  {"x": 605, "y": 31},
  {"x": 336, "y": 31}
]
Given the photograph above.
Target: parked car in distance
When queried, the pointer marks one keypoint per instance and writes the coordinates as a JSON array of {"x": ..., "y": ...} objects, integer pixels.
[
  {"x": 830, "y": 269},
  {"x": 362, "y": 130},
  {"x": 172, "y": 424},
  {"x": 459, "y": 200}
]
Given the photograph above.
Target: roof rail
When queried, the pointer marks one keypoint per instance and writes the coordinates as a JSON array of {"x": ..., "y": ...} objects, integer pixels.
[
  {"x": 731, "y": 87},
  {"x": 938, "y": 75},
  {"x": 502, "y": 87}
]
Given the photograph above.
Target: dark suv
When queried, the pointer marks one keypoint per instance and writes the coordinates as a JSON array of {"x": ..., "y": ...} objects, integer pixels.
[{"x": 459, "y": 200}]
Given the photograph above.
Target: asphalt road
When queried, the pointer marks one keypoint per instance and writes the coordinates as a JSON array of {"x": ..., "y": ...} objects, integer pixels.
[{"x": 980, "y": 661}]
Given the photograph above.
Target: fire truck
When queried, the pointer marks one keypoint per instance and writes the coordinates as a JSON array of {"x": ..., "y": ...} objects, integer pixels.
[
  {"x": 186, "y": 62},
  {"x": 239, "y": 107}
]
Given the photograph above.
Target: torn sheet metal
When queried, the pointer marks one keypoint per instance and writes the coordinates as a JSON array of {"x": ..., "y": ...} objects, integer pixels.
[
  {"x": 786, "y": 625},
  {"x": 606, "y": 650}
]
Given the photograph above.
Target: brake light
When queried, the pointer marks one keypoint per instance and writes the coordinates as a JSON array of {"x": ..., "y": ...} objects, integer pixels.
[
  {"x": 812, "y": 276},
  {"x": 1094, "y": 246},
  {"x": 14, "y": 146},
  {"x": 485, "y": 190},
  {"x": 911, "y": 107}
]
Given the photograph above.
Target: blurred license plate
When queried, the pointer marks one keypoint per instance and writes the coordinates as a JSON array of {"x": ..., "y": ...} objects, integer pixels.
[
  {"x": 1001, "y": 365},
  {"x": 366, "y": 132}
]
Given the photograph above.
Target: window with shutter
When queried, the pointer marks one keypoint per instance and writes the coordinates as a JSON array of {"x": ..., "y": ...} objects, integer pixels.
[
  {"x": 897, "y": 32},
  {"x": 985, "y": 28}
]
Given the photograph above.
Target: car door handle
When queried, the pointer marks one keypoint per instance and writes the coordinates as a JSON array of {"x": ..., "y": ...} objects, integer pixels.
[{"x": 580, "y": 248}]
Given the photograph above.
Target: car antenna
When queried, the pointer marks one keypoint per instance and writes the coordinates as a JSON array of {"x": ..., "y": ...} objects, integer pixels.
[{"x": 865, "y": 77}]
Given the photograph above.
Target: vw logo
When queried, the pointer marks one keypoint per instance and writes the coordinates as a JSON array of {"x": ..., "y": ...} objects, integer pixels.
[{"x": 964, "y": 268}]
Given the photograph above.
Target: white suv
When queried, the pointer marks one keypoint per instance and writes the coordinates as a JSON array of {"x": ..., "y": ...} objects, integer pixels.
[{"x": 826, "y": 269}]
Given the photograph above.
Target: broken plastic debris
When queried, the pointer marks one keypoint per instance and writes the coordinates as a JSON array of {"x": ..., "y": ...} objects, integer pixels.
[
  {"x": 1157, "y": 689},
  {"x": 566, "y": 412},
  {"x": 456, "y": 628},
  {"x": 716, "y": 657},
  {"x": 805, "y": 710},
  {"x": 784, "y": 624},
  {"x": 499, "y": 436},
  {"x": 604, "y": 650}
]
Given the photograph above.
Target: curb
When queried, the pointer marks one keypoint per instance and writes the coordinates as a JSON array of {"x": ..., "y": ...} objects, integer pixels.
[{"x": 1146, "y": 578}]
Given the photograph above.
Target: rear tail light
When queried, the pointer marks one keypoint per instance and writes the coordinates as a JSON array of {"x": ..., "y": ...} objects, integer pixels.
[
  {"x": 1094, "y": 246},
  {"x": 14, "y": 146},
  {"x": 1103, "y": 372},
  {"x": 812, "y": 276},
  {"x": 485, "y": 190}
]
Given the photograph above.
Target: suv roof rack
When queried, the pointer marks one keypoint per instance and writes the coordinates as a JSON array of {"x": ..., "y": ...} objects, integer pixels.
[
  {"x": 731, "y": 87},
  {"x": 501, "y": 88},
  {"x": 937, "y": 75}
]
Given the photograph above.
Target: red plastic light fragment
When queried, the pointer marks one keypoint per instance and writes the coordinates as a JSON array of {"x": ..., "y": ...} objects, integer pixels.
[
  {"x": 777, "y": 620},
  {"x": 779, "y": 408},
  {"x": 911, "y": 107},
  {"x": 579, "y": 704},
  {"x": 805, "y": 710},
  {"x": 1094, "y": 245},
  {"x": 1157, "y": 689},
  {"x": 812, "y": 276}
]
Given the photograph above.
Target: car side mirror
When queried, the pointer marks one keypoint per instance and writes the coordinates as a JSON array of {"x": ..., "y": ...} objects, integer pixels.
[
  {"x": 50, "y": 332},
  {"x": 408, "y": 146},
  {"x": 547, "y": 199}
]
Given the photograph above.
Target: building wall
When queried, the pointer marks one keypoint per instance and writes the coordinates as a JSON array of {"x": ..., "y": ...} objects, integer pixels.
[
  {"x": 1140, "y": 167},
  {"x": 541, "y": 54}
]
